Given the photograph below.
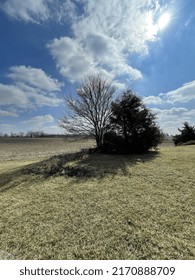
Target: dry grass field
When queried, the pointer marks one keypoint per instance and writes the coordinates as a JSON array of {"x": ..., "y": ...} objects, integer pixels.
[
  {"x": 38, "y": 148},
  {"x": 95, "y": 206}
]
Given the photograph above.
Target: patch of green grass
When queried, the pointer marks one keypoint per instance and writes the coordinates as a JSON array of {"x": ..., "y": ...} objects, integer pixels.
[{"x": 129, "y": 207}]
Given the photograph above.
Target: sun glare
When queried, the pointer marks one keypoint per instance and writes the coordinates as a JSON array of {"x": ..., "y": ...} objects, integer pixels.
[{"x": 163, "y": 21}]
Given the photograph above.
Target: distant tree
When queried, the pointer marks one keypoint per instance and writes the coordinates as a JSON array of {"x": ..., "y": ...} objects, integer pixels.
[
  {"x": 29, "y": 134},
  {"x": 187, "y": 133},
  {"x": 90, "y": 111},
  {"x": 132, "y": 126}
]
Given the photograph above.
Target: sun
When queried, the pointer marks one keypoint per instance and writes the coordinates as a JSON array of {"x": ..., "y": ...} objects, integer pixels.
[{"x": 163, "y": 21}]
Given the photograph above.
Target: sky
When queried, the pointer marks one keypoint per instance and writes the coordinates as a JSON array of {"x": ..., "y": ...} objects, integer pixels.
[{"x": 48, "y": 46}]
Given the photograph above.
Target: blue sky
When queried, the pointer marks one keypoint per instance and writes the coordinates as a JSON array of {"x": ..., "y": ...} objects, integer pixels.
[{"x": 48, "y": 46}]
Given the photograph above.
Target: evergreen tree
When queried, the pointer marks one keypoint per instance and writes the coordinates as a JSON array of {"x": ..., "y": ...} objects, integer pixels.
[
  {"x": 187, "y": 133},
  {"x": 132, "y": 126}
]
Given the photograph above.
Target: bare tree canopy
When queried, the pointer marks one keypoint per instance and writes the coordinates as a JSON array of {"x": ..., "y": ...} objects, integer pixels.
[{"x": 91, "y": 111}]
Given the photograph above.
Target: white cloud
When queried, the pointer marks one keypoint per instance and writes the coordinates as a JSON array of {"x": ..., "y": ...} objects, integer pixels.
[
  {"x": 129, "y": 22},
  {"x": 190, "y": 113},
  {"x": 64, "y": 10},
  {"x": 71, "y": 58},
  {"x": 183, "y": 94},
  {"x": 105, "y": 33},
  {"x": 45, "y": 123},
  {"x": 105, "y": 36},
  {"x": 152, "y": 100},
  {"x": 7, "y": 114},
  {"x": 36, "y": 11},
  {"x": 174, "y": 111},
  {"x": 172, "y": 119},
  {"x": 39, "y": 120},
  {"x": 34, "y": 77},
  {"x": 28, "y": 10},
  {"x": 38, "y": 123},
  {"x": 75, "y": 59},
  {"x": 107, "y": 51},
  {"x": 31, "y": 88},
  {"x": 6, "y": 128},
  {"x": 13, "y": 95},
  {"x": 6, "y": 125}
]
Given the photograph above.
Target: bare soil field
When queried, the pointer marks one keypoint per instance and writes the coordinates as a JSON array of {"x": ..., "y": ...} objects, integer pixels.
[{"x": 39, "y": 148}]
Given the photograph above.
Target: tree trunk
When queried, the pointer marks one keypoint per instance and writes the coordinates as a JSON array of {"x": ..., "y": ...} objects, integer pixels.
[{"x": 99, "y": 140}]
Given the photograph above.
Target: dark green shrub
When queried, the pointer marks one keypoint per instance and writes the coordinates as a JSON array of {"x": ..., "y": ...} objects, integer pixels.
[
  {"x": 132, "y": 128},
  {"x": 191, "y": 142},
  {"x": 187, "y": 133},
  {"x": 113, "y": 143}
]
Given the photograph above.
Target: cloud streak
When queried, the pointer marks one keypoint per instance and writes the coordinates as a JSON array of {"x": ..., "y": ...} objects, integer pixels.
[
  {"x": 173, "y": 118},
  {"x": 39, "y": 11},
  {"x": 39, "y": 120},
  {"x": 34, "y": 77},
  {"x": 28, "y": 10},
  {"x": 31, "y": 88},
  {"x": 4, "y": 113},
  {"x": 183, "y": 94}
]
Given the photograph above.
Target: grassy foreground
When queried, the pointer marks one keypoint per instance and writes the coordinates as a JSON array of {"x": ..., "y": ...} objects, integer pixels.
[{"x": 100, "y": 207}]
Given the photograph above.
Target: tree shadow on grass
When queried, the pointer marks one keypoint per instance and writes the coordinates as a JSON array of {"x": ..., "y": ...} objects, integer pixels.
[
  {"x": 86, "y": 164},
  {"x": 12, "y": 179},
  {"x": 81, "y": 165}
]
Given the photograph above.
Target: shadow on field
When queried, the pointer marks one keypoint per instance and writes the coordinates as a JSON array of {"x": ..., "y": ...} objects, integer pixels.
[
  {"x": 86, "y": 164},
  {"x": 12, "y": 179},
  {"x": 81, "y": 165},
  {"x": 6, "y": 178}
]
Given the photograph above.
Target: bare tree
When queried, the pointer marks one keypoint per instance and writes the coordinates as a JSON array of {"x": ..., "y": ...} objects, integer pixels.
[{"x": 91, "y": 111}]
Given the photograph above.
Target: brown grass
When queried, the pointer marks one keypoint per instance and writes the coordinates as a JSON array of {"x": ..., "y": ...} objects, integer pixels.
[{"x": 126, "y": 207}]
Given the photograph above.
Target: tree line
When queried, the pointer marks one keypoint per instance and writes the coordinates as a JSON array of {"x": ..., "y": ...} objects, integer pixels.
[{"x": 29, "y": 134}]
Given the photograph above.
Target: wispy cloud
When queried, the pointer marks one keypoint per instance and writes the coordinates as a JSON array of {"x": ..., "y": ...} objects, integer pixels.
[
  {"x": 183, "y": 94},
  {"x": 4, "y": 113},
  {"x": 105, "y": 36},
  {"x": 31, "y": 88},
  {"x": 34, "y": 77},
  {"x": 37, "y": 11},
  {"x": 155, "y": 100},
  {"x": 104, "y": 33},
  {"x": 172, "y": 119},
  {"x": 28, "y": 10},
  {"x": 46, "y": 123},
  {"x": 39, "y": 120},
  {"x": 71, "y": 59}
]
